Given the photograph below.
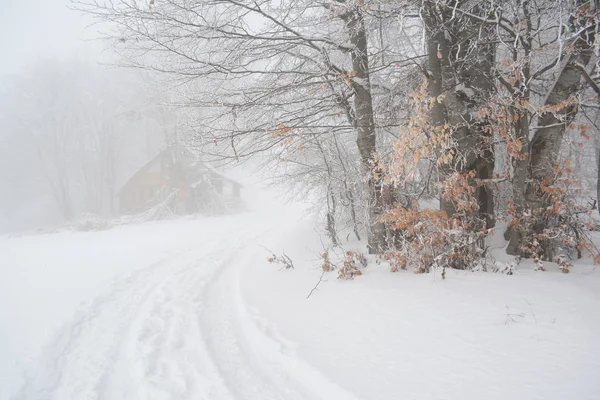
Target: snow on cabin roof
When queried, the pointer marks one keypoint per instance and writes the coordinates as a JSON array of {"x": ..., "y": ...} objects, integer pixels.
[
  {"x": 207, "y": 165},
  {"x": 195, "y": 165},
  {"x": 140, "y": 170}
]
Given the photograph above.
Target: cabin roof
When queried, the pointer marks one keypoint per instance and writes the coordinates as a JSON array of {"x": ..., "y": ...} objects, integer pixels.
[
  {"x": 140, "y": 171},
  {"x": 196, "y": 165}
]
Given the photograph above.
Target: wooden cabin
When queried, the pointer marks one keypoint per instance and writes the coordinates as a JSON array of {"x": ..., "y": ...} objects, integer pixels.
[{"x": 175, "y": 180}]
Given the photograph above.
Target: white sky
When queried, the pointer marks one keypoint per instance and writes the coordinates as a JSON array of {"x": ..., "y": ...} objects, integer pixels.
[{"x": 34, "y": 29}]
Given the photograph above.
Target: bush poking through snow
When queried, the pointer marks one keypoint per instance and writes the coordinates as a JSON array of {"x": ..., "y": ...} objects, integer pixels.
[
  {"x": 538, "y": 263},
  {"x": 396, "y": 260},
  {"x": 352, "y": 264},
  {"x": 563, "y": 264},
  {"x": 327, "y": 266},
  {"x": 284, "y": 260}
]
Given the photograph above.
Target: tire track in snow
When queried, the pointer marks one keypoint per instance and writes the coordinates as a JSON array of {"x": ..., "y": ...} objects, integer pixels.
[
  {"x": 177, "y": 330},
  {"x": 256, "y": 365},
  {"x": 82, "y": 362},
  {"x": 74, "y": 363},
  {"x": 163, "y": 356}
]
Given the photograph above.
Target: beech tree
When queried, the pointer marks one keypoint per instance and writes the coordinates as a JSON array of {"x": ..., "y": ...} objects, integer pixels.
[
  {"x": 503, "y": 83},
  {"x": 78, "y": 124},
  {"x": 461, "y": 52},
  {"x": 268, "y": 74},
  {"x": 376, "y": 105}
]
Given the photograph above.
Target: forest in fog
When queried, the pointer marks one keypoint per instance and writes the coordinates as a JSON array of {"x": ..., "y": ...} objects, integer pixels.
[
  {"x": 299, "y": 199},
  {"x": 418, "y": 125}
]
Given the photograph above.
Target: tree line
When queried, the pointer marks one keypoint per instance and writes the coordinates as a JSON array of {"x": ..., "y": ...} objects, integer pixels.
[{"x": 420, "y": 124}]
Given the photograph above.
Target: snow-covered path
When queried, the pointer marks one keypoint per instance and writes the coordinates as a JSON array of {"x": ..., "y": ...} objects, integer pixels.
[
  {"x": 176, "y": 329},
  {"x": 141, "y": 341},
  {"x": 194, "y": 311}
]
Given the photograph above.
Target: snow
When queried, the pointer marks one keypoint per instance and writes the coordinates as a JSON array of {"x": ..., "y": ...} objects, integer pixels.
[
  {"x": 46, "y": 279},
  {"x": 471, "y": 336},
  {"x": 190, "y": 308}
]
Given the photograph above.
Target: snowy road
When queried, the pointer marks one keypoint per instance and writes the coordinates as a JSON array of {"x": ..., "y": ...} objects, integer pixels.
[
  {"x": 176, "y": 329},
  {"x": 190, "y": 309}
]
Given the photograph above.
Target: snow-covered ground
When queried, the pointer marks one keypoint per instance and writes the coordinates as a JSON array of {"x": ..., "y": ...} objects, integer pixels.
[{"x": 191, "y": 309}]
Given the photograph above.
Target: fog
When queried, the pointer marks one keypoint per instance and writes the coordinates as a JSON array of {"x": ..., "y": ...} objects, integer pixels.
[
  {"x": 299, "y": 199},
  {"x": 68, "y": 118},
  {"x": 44, "y": 29}
]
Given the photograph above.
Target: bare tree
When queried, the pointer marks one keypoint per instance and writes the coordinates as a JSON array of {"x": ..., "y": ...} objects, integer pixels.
[
  {"x": 75, "y": 118},
  {"x": 266, "y": 73},
  {"x": 461, "y": 51}
]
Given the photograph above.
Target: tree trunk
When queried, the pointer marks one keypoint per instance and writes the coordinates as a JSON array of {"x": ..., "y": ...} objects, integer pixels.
[
  {"x": 598, "y": 178},
  {"x": 464, "y": 87},
  {"x": 331, "y": 208},
  {"x": 480, "y": 79},
  {"x": 365, "y": 127},
  {"x": 347, "y": 190},
  {"x": 520, "y": 177},
  {"x": 546, "y": 142},
  {"x": 331, "y": 202},
  {"x": 437, "y": 51}
]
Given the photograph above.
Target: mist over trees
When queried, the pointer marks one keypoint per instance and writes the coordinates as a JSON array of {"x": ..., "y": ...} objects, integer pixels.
[
  {"x": 299, "y": 199},
  {"x": 72, "y": 132},
  {"x": 419, "y": 125}
]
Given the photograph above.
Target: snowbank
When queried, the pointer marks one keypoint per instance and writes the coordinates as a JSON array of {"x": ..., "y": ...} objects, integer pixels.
[
  {"x": 46, "y": 279},
  {"x": 532, "y": 335},
  {"x": 191, "y": 307}
]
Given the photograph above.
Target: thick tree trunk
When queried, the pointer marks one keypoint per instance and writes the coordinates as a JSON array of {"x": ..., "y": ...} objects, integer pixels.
[
  {"x": 480, "y": 79},
  {"x": 365, "y": 127},
  {"x": 464, "y": 87},
  {"x": 519, "y": 179},
  {"x": 547, "y": 140},
  {"x": 438, "y": 52},
  {"x": 347, "y": 190},
  {"x": 522, "y": 132},
  {"x": 484, "y": 169},
  {"x": 598, "y": 177}
]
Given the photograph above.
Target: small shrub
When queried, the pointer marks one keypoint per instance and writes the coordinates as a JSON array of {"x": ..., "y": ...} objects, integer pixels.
[
  {"x": 327, "y": 266},
  {"x": 563, "y": 264},
  {"x": 396, "y": 259},
  {"x": 283, "y": 260},
  {"x": 352, "y": 263}
]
